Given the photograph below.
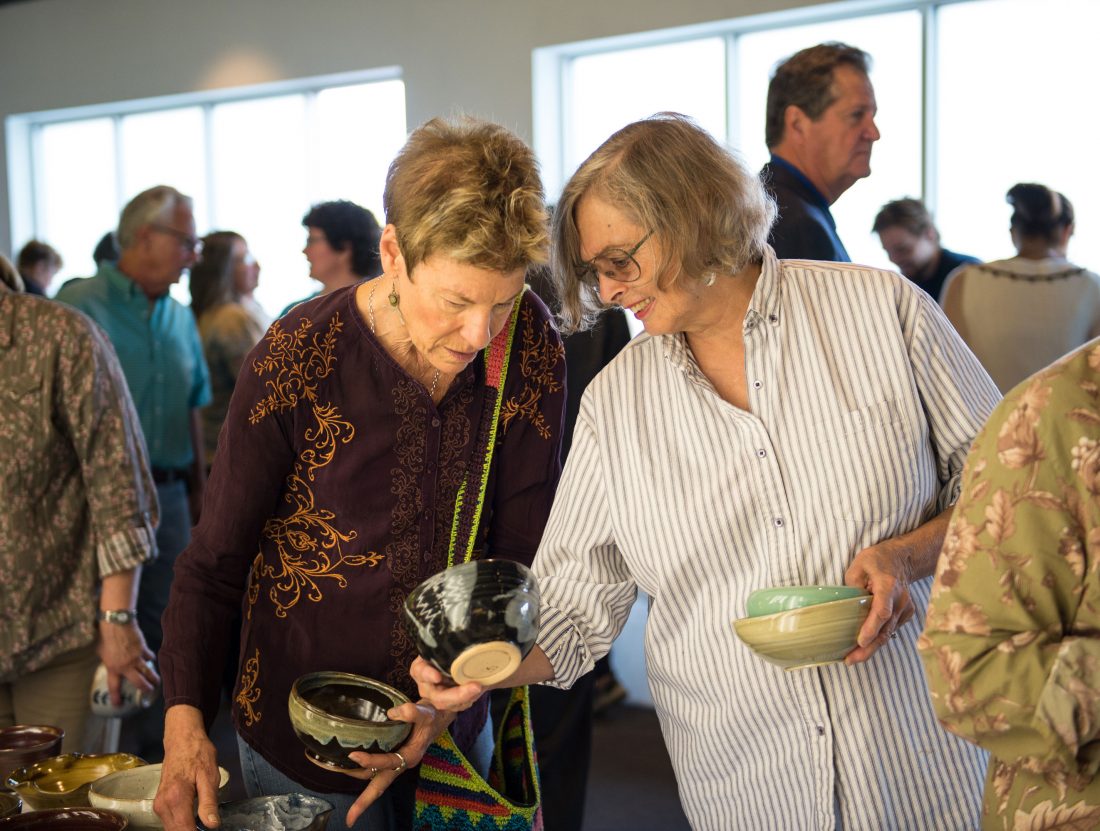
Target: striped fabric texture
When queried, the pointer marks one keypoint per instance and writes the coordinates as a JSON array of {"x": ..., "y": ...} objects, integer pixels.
[{"x": 863, "y": 403}]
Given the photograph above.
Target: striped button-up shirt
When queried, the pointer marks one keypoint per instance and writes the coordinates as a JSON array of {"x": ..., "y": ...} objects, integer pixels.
[{"x": 863, "y": 403}]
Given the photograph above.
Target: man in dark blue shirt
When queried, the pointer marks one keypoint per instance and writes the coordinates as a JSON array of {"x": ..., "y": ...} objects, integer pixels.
[
  {"x": 912, "y": 243},
  {"x": 820, "y": 129}
]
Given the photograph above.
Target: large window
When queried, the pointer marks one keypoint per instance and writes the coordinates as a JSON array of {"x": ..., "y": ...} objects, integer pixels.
[
  {"x": 973, "y": 96},
  {"x": 253, "y": 160}
]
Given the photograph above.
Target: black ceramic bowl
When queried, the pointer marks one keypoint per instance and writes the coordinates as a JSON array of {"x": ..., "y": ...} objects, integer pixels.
[
  {"x": 475, "y": 621},
  {"x": 337, "y": 713},
  {"x": 65, "y": 819}
]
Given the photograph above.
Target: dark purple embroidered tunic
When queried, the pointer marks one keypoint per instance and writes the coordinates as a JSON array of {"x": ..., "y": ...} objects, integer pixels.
[{"x": 331, "y": 498}]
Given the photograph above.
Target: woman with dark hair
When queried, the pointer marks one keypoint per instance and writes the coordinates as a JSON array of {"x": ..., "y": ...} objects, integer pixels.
[
  {"x": 780, "y": 422},
  {"x": 1023, "y": 313},
  {"x": 230, "y": 321},
  {"x": 342, "y": 243},
  {"x": 364, "y": 432}
]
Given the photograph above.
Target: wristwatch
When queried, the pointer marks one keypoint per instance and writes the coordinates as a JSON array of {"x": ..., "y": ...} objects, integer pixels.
[{"x": 120, "y": 616}]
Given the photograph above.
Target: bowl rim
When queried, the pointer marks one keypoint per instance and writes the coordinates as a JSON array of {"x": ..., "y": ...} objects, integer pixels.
[
  {"x": 223, "y": 780},
  {"x": 434, "y": 580},
  {"x": 401, "y": 698},
  {"x": 21, "y": 778},
  {"x": 55, "y": 733},
  {"x": 858, "y": 600},
  {"x": 123, "y": 823}
]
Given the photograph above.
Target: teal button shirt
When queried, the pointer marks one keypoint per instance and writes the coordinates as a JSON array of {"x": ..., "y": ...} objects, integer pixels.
[{"x": 160, "y": 352}]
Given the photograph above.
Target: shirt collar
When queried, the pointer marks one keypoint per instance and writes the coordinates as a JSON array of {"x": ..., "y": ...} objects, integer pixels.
[{"x": 816, "y": 195}]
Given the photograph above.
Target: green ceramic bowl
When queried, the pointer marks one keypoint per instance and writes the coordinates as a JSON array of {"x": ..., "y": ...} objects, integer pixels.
[
  {"x": 811, "y": 636},
  {"x": 63, "y": 781},
  {"x": 785, "y": 598}
]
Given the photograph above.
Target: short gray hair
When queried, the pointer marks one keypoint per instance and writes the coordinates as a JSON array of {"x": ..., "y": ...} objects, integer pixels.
[
  {"x": 153, "y": 205},
  {"x": 669, "y": 175}
]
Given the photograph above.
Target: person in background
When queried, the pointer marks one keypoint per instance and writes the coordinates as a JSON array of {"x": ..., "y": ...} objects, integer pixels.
[
  {"x": 38, "y": 265},
  {"x": 106, "y": 250},
  {"x": 820, "y": 127},
  {"x": 780, "y": 422},
  {"x": 158, "y": 346},
  {"x": 361, "y": 418},
  {"x": 230, "y": 321},
  {"x": 1021, "y": 314},
  {"x": 78, "y": 518},
  {"x": 1011, "y": 644},
  {"x": 911, "y": 241},
  {"x": 341, "y": 246}
]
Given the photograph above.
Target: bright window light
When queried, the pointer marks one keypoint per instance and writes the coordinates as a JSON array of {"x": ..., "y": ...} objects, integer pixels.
[
  {"x": 1011, "y": 110},
  {"x": 609, "y": 90},
  {"x": 165, "y": 148}
]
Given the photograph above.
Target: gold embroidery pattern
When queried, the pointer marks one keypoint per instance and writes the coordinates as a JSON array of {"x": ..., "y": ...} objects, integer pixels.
[
  {"x": 249, "y": 693},
  {"x": 309, "y": 546},
  {"x": 540, "y": 354}
]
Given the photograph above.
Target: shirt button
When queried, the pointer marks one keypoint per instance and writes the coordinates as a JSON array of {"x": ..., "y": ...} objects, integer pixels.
[
  {"x": 821, "y": 730},
  {"x": 779, "y": 522},
  {"x": 757, "y": 384},
  {"x": 435, "y": 422},
  {"x": 761, "y": 453},
  {"x": 773, "y": 318}
]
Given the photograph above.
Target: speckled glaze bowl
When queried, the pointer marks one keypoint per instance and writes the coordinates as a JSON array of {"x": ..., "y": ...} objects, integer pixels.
[
  {"x": 131, "y": 792},
  {"x": 63, "y": 781},
  {"x": 476, "y": 621},
  {"x": 785, "y": 598},
  {"x": 10, "y": 803},
  {"x": 810, "y": 636},
  {"x": 25, "y": 744},
  {"x": 65, "y": 819},
  {"x": 286, "y": 812},
  {"x": 337, "y": 713}
]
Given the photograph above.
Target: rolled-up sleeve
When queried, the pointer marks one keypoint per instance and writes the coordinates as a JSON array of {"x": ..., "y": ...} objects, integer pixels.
[{"x": 586, "y": 588}]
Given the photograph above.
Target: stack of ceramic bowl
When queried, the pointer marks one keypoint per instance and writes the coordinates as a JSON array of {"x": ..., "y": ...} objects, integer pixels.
[
  {"x": 63, "y": 781},
  {"x": 130, "y": 793},
  {"x": 337, "y": 713},
  {"x": 476, "y": 621},
  {"x": 803, "y": 626}
]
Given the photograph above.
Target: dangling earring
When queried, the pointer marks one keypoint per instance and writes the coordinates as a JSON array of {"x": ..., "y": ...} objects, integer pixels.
[
  {"x": 709, "y": 278},
  {"x": 394, "y": 298}
]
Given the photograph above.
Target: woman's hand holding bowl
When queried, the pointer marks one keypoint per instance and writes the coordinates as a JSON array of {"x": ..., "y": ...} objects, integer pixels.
[{"x": 442, "y": 693}]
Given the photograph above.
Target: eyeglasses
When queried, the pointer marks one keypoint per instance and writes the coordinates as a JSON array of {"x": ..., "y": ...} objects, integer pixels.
[
  {"x": 615, "y": 264},
  {"x": 188, "y": 241}
]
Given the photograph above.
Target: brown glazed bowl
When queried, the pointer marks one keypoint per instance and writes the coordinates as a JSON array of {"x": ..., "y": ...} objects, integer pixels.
[
  {"x": 63, "y": 781},
  {"x": 65, "y": 819},
  {"x": 25, "y": 744},
  {"x": 337, "y": 713}
]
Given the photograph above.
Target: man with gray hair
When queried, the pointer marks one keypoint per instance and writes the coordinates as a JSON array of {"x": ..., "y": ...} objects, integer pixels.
[
  {"x": 160, "y": 352},
  {"x": 820, "y": 128}
]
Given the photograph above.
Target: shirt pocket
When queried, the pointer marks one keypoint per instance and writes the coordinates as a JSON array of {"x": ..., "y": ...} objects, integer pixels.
[
  {"x": 26, "y": 429},
  {"x": 871, "y": 462}
]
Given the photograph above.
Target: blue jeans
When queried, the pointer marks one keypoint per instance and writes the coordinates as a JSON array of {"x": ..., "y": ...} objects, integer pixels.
[
  {"x": 262, "y": 779},
  {"x": 173, "y": 535}
]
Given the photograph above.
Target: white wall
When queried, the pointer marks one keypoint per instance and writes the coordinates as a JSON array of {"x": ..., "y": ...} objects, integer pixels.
[{"x": 472, "y": 56}]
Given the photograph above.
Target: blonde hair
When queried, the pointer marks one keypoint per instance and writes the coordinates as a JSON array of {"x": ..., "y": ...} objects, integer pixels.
[
  {"x": 153, "y": 205},
  {"x": 668, "y": 175},
  {"x": 470, "y": 190}
]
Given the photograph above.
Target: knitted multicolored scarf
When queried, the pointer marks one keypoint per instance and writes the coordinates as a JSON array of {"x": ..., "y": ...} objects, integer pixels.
[{"x": 451, "y": 794}]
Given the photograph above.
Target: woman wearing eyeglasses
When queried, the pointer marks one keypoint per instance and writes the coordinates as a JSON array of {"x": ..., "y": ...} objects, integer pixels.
[
  {"x": 352, "y": 430},
  {"x": 780, "y": 423},
  {"x": 230, "y": 320}
]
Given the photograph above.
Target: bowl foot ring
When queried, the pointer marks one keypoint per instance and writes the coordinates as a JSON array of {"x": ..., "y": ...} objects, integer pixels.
[
  {"x": 327, "y": 765},
  {"x": 486, "y": 663}
]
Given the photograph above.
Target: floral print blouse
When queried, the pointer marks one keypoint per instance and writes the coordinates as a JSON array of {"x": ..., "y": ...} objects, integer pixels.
[{"x": 1012, "y": 639}]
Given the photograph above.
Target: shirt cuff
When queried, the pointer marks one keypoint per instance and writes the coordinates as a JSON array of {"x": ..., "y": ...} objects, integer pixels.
[
  {"x": 564, "y": 648},
  {"x": 950, "y": 492},
  {"x": 126, "y": 549}
]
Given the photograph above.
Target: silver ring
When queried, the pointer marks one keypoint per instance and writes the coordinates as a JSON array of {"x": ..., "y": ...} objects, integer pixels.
[
  {"x": 403, "y": 764},
  {"x": 374, "y": 771},
  {"x": 893, "y": 634}
]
